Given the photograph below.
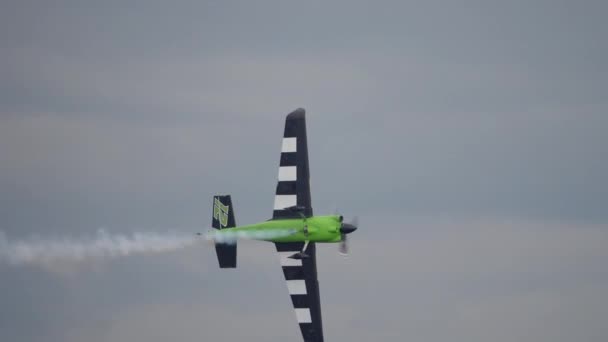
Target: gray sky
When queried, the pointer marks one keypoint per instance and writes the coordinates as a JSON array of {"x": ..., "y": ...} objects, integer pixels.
[{"x": 470, "y": 138}]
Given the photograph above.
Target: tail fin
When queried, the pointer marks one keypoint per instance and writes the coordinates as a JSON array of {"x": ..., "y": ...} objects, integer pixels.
[{"x": 223, "y": 217}]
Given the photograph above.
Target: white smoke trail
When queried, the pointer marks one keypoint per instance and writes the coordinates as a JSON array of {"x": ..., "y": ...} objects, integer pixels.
[
  {"x": 230, "y": 236},
  {"x": 48, "y": 251},
  {"x": 52, "y": 251}
]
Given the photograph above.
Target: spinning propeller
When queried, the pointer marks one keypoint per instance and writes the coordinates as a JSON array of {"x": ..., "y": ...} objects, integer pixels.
[{"x": 346, "y": 229}]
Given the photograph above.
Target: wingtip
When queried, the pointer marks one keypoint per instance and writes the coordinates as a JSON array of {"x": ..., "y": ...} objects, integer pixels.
[{"x": 299, "y": 113}]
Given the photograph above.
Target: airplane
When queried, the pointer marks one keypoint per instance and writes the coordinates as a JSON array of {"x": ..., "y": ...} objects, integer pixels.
[{"x": 293, "y": 228}]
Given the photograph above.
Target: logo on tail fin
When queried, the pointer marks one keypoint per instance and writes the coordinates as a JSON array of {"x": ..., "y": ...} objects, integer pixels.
[{"x": 220, "y": 212}]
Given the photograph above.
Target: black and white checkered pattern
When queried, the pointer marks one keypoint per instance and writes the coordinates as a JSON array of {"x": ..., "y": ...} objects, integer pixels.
[
  {"x": 303, "y": 287},
  {"x": 293, "y": 189}
]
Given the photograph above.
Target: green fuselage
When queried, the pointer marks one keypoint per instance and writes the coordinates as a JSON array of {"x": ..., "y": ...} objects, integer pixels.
[{"x": 320, "y": 229}]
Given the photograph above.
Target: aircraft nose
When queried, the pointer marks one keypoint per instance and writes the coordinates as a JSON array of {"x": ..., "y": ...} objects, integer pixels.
[{"x": 347, "y": 228}]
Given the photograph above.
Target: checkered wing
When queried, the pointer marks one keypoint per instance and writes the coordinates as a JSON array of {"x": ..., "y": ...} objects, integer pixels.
[
  {"x": 293, "y": 191},
  {"x": 303, "y": 287},
  {"x": 293, "y": 188}
]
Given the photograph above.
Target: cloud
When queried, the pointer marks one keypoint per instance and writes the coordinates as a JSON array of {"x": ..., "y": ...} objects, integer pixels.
[
  {"x": 132, "y": 117},
  {"x": 468, "y": 280}
]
